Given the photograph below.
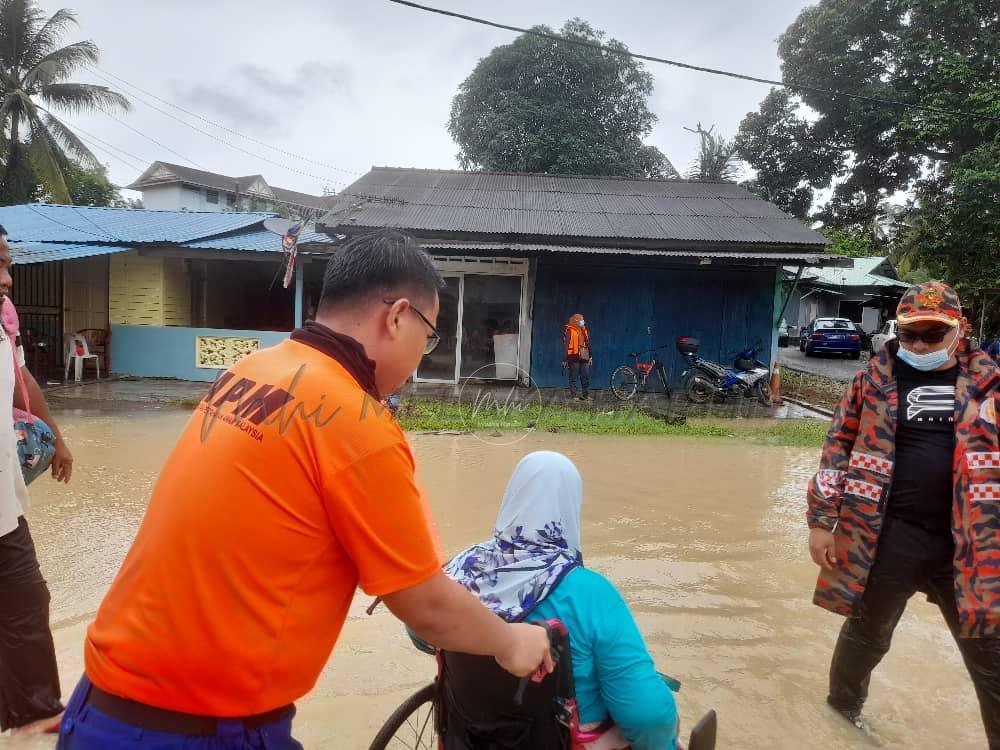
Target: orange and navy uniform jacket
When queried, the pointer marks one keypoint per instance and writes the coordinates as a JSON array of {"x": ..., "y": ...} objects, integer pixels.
[
  {"x": 575, "y": 337},
  {"x": 848, "y": 494}
]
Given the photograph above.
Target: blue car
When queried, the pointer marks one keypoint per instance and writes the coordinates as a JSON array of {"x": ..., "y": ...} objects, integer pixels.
[{"x": 831, "y": 336}]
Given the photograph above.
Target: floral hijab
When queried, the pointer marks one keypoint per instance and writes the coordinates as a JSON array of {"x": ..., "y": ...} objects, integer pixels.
[{"x": 536, "y": 541}]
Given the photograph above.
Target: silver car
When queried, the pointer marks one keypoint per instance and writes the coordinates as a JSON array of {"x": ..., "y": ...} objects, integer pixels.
[{"x": 884, "y": 334}]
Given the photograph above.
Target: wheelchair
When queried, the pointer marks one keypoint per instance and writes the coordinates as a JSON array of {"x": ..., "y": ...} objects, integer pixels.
[{"x": 473, "y": 704}]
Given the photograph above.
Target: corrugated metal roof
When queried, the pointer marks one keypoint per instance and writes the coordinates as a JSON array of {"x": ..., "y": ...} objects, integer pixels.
[
  {"x": 165, "y": 173},
  {"x": 565, "y": 206},
  {"x": 39, "y": 233},
  {"x": 257, "y": 240},
  {"x": 861, "y": 274},
  {"x": 761, "y": 257},
  {"x": 41, "y": 222},
  {"x": 25, "y": 253}
]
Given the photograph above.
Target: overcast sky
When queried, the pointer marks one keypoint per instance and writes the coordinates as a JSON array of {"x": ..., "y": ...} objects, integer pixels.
[{"x": 351, "y": 84}]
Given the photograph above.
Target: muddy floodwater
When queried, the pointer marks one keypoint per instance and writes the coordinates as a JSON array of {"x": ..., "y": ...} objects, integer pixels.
[{"x": 705, "y": 539}]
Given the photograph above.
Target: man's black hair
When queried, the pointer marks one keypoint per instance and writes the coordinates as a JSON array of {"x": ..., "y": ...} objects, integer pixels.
[
  {"x": 3, "y": 232},
  {"x": 381, "y": 262}
]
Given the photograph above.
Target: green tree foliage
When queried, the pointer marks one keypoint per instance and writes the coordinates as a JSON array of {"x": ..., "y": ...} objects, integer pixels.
[
  {"x": 851, "y": 244},
  {"x": 537, "y": 105},
  {"x": 91, "y": 187},
  {"x": 927, "y": 53},
  {"x": 789, "y": 159},
  {"x": 38, "y": 148},
  {"x": 955, "y": 228}
]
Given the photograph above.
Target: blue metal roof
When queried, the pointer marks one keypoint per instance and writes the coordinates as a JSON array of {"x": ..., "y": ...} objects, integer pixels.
[
  {"x": 260, "y": 240},
  {"x": 39, "y": 232},
  {"x": 24, "y": 253},
  {"x": 41, "y": 222}
]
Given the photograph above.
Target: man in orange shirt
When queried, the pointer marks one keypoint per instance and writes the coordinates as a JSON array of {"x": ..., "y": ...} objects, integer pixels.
[{"x": 290, "y": 486}]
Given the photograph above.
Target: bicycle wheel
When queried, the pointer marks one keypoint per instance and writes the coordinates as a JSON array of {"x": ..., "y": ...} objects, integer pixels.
[
  {"x": 624, "y": 382},
  {"x": 411, "y": 726}
]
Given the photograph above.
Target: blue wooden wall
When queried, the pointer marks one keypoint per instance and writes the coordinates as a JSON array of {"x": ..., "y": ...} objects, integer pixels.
[{"x": 636, "y": 309}]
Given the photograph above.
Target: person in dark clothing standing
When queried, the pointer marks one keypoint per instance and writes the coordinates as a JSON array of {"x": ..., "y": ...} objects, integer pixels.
[
  {"x": 29, "y": 678},
  {"x": 911, "y": 468},
  {"x": 576, "y": 356}
]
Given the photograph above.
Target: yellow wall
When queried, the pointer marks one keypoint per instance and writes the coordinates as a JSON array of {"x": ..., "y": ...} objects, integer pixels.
[
  {"x": 176, "y": 293},
  {"x": 148, "y": 291}
]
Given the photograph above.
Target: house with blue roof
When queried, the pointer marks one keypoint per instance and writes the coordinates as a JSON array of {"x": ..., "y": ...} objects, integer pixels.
[{"x": 183, "y": 294}]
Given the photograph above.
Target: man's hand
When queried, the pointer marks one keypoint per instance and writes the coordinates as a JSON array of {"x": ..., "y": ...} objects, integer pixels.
[
  {"x": 62, "y": 462},
  {"x": 528, "y": 650},
  {"x": 823, "y": 548}
]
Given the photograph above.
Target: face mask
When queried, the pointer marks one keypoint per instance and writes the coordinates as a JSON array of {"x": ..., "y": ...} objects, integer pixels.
[
  {"x": 930, "y": 360},
  {"x": 582, "y": 324}
]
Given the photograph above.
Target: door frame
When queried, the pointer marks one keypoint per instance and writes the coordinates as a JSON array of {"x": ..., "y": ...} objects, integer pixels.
[{"x": 460, "y": 267}]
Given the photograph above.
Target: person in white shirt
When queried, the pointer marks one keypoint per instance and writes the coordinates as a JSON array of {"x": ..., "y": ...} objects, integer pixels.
[{"x": 29, "y": 679}]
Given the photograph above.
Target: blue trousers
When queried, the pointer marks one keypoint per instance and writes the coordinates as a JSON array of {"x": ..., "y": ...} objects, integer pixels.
[{"x": 86, "y": 728}]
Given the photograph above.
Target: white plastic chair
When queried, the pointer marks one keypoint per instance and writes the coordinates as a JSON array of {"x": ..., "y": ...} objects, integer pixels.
[{"x": 75, "y": 344}]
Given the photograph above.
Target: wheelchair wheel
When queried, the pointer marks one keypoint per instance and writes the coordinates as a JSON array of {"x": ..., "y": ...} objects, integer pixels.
[{"x": 411, "y": 726}]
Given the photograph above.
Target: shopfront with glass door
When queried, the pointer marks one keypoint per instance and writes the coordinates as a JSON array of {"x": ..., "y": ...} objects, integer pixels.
[{"x": 482, "y": 321}]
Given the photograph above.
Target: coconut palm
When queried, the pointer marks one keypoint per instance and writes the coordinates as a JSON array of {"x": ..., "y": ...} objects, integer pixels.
[{"x": 34, "y": 72}]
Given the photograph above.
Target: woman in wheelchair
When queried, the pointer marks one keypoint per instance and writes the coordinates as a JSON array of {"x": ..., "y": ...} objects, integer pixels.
[{"x": 532, "y": 570}]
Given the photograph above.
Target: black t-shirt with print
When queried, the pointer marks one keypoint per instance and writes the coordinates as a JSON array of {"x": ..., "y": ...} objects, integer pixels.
[{"x": 925, "y": 445}]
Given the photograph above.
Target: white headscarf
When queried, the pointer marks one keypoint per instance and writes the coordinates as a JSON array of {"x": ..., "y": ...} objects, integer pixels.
[{"x": 536, "y": 541}]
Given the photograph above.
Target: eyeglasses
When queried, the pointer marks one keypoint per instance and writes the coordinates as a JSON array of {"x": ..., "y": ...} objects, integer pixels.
[
  {"x": 433, "y": 338},
  {"x": 933, "y": 336}
]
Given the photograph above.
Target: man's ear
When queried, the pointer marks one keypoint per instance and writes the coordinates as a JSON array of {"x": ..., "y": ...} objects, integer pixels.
[{"x": 394, "y": 315}]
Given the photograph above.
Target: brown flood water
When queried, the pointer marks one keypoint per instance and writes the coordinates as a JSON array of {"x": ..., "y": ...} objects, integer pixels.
[{"x": 705, "y": 539}]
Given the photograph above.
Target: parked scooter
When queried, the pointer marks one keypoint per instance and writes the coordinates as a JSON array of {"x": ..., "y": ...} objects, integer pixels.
[{"x": 705, "y": 380}]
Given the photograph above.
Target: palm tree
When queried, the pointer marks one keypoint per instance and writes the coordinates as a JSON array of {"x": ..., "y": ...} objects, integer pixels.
[
  {"x": 716, "y": 160},
  {"x": 37, "y": 146}
]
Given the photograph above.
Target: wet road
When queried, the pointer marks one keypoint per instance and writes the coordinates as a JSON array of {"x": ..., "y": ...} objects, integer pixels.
[
  {"x": 705, "y": 539},
  {"x": 835, "y": 366}
]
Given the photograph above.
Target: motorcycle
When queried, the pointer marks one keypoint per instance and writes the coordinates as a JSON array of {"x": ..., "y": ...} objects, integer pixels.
[{"x": 705, "y": 380}]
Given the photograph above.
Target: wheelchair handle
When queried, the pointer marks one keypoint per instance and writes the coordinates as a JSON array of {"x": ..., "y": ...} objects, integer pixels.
[{"x": 540, "y": 674}]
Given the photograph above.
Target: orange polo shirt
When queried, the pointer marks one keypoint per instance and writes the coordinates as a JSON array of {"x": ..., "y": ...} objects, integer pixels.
[{"x": 288, "y": 488}]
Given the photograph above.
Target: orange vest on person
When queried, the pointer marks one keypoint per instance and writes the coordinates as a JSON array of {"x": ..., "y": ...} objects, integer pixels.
[
  {"x": 575, "y": 337},
  {"x": 289, "y": 487}
]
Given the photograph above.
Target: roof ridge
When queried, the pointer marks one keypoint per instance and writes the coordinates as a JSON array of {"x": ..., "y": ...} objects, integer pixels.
[
  {"x": 552, "y": 174},
  {"x": 268, "y": 214}
]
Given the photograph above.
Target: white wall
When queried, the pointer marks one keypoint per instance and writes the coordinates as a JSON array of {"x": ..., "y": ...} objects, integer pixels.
[{"x": 180, "y": 198}]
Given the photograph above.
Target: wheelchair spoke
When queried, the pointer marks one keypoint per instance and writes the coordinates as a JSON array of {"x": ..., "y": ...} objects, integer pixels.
[{"x": 422, "y": 730}]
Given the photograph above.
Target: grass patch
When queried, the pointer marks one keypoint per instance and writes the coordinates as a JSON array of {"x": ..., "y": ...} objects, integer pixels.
[
  {"x": 813, "y": 389},
  {"x": 426, "y": 415}
]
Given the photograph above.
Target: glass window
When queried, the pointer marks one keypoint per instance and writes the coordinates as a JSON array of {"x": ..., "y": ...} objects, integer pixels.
[
  {"x": 834, "y": 324},
  {"x": 440, "y": 363},
  {"x": 211, "y": 196},
  {"x": 491, "y": 316}
]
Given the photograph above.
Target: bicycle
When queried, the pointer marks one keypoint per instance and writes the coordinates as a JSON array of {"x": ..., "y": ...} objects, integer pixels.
[{"x": 627, "y": 380}]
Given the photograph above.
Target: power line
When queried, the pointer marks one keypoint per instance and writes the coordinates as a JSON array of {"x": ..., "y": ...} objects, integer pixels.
[
  {"x": 107, "y": 152},
  {"x": 160, "y": 99},
  {"x": 92, "y": 137},
  {"x": 45, "y": 216},
  {"x": 689, "y": 66},
  {"x": 323, "y": 179},
  {"x": 149, "y": 138}
]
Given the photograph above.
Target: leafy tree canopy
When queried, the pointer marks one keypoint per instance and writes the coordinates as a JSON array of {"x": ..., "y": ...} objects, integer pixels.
[{"x": 537, "y": 105}]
